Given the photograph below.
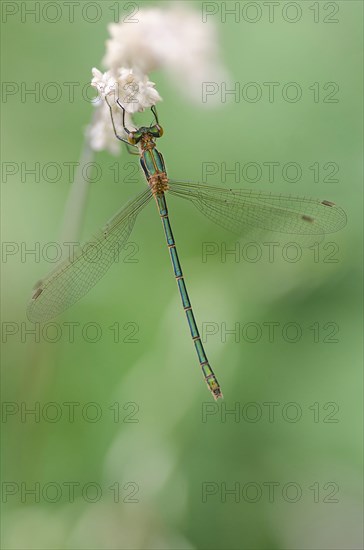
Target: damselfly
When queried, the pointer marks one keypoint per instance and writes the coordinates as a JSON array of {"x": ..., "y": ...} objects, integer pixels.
[{"x": 236, "y": 210}]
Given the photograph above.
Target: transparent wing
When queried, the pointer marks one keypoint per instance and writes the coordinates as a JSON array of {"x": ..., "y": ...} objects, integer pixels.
[
  {"x": 244, "y": 211},
  {"x": 75, "y": 276}
]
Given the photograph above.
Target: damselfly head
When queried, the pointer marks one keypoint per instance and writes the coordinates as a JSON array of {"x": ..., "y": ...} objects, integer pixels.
[{"x": 145, "y": 134}]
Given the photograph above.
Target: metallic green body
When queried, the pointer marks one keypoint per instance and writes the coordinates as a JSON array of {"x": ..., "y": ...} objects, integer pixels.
[
  {"x": 209, "y": 376},
  {"x": 152, "y": 163}
]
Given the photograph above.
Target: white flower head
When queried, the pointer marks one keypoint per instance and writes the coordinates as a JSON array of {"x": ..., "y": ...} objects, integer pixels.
[
  {"x": 172, "y": 39},
  {"x": 135, "y": 91},
  {"x": 104, "y": 82}
]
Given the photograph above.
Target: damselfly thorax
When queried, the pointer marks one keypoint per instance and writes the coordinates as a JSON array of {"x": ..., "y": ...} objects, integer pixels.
[{"x": 152, "y": 161}]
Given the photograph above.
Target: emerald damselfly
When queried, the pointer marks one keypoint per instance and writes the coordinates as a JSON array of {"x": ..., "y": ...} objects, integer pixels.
[{"x": 238, "y": 210}]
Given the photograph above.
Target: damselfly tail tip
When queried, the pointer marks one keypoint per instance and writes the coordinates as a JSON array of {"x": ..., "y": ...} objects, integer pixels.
[
  {"x": 217, "y": 394},
  {"x": 213, "y": 386}
]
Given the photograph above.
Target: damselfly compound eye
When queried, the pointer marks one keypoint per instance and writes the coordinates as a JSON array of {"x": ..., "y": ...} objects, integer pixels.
[{"x": 131, "y": 139}]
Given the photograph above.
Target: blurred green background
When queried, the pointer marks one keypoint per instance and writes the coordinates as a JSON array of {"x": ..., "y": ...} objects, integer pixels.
[{"x": 153, "y": 462}]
